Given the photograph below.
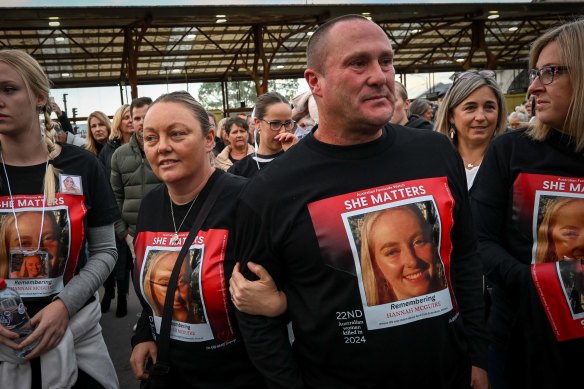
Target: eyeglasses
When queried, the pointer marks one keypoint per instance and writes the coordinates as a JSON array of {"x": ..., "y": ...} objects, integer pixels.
[
  {"x": 276, "y": 125},
  {"x": 546, "y": 74},
  {"x": 474, "y": 72}
]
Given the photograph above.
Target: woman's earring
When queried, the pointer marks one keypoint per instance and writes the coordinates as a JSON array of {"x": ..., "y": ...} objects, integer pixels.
[{"x": 451, "y": 132}]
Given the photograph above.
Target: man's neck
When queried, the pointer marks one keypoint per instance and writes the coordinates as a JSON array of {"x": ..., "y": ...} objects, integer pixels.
[{"x": 345, "y": 137}]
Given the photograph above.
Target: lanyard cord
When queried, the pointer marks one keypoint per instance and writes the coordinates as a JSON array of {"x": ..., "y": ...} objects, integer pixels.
[{"x": 14, "y": 211}]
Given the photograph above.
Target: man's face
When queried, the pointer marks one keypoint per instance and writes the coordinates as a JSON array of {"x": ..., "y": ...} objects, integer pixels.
[
  {"x": 355, "y": 86},
  {"x": 138, "y": 123}
]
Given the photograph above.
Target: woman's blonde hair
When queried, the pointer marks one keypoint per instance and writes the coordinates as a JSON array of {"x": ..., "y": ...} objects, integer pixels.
[
  {"x": 461, "y": 88},
  {"x": 156, "y": 258},
  {"x": 378, "y": 290},
  {"x": 546, "y": 250},
  {"x": 23, "y": 273},
  {"x": 570, "y": 40},
  {"x": 220, "y": 128},
  {"x": 37, "y": 84},
  {"x": 90, "y": 142},
  {"x": 401, "y": 90},
  {"x": 116, "y": 132}
]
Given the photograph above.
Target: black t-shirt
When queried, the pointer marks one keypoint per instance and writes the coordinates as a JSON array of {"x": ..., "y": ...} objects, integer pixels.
[
  {"x": 62, "y": 250},
  {"x": 509, "y": 190},
  {"x": 301, "y": 219},
  {"x": 251, "y": 165},
  {"x": 206, "y": 350}
]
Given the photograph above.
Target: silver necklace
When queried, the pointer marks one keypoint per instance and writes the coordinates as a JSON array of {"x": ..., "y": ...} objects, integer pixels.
[
  {"x": 175, "y": 239},
  {"x": 14, "y": 211}
]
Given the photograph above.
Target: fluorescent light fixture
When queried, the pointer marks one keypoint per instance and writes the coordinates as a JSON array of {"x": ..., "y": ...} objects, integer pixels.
[
  {"x": 514, "y": 28},
  {"x": 493, "y": 16},
  {"x": 65, "y": 75},
  {"x": 60, "y": 39},
  {"x": 54, "y": 24},
  {"x": 190, "y": 37},
  {"x": 220, "y": 16},
  {"x": 221, "y": 20},
  {"x": 280, "y": 67},
  {"x": 310, "y": 33},
  {"x": 366, "y": 13},
  {"x": 494, "y": 12},
  {"x": 415, "y": 31},
  {"x": 175, "y": 71},
  {"x": 459, "y": 59},
  {"x": 53, "y": 18}
]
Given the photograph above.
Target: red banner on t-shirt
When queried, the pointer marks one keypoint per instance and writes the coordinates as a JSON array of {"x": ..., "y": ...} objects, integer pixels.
[
  {"x": 200, "y": 311},
  {"x": 553, "y": 207},
  {"x": 396, "y": 240},
  {"x": 40, "y": 243}
]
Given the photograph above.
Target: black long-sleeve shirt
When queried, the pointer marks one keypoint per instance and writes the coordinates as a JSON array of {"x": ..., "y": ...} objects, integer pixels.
[{"x": 505, "y": 223}]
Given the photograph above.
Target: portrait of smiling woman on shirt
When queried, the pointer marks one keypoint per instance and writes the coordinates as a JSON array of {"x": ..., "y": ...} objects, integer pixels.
[{"x": 399, "y": 259}]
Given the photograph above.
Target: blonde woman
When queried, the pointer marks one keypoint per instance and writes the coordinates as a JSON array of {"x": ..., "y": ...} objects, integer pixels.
[
  {"x": 560, "y": 235},
  {"x": 121, "y": 132},
  {"x": 525, "y": 352},
  {"x": 396, "y": 243},
  {"x": 98, "y": 130},
  {"x": 65, "y": 315}
]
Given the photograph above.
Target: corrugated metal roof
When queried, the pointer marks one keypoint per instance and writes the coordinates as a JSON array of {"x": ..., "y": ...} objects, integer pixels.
[{"x": 93, "y": 46}]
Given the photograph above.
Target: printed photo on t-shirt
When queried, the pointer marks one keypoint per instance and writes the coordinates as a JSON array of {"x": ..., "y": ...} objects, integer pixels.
[
  {"x": 187, "y": 305},
  {"x": 550, "y": 209},
  {"x": 559, "y": 237},
  {"x": 35, "y": 244},
  {"x": 70, "y": 184},
  {"x": 396, "y": 251},
  {"x": 201, "y": 300},
  {"x": 41, "y": 242}
]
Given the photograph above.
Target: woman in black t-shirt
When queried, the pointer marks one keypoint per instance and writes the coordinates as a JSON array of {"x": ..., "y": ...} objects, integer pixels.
[
  {"x": 206, "y": 350},
  {"x": 68, "y": 233}
]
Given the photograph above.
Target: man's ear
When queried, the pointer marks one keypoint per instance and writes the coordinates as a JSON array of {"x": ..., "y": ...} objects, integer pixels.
[{"x": 313, "y": 79}]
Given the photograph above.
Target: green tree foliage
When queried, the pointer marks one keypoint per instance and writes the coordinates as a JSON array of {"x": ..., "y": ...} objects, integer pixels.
[{"x": 211, "y": 97}]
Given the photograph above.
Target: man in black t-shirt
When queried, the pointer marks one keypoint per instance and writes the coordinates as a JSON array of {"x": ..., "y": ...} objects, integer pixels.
[{"x": 307, "y": 215}]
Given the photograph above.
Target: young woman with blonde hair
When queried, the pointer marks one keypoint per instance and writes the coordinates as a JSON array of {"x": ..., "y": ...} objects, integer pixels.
[{"x": 64, "y": 311}]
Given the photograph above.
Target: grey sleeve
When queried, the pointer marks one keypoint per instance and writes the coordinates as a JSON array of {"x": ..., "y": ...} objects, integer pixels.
[{"x": 101, "y": 244}]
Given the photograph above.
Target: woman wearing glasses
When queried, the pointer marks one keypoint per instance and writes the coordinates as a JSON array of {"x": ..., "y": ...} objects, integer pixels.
[
  {"x": 471, "y": 114},
  {"x": 273, "y": 119},
  {"x": 522, "y": 172}
]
